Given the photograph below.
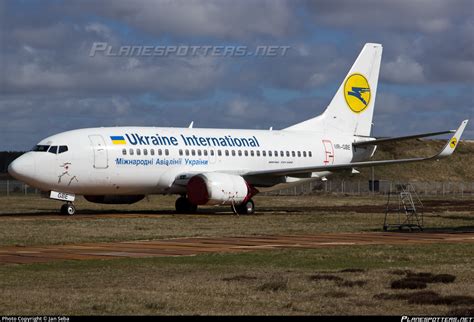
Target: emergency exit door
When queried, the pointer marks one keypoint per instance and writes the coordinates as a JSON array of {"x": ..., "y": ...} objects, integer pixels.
[{"x": 101, "y": 160}]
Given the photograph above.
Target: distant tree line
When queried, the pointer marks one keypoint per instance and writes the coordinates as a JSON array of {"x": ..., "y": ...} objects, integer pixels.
[{"x": 6, "y": 157}]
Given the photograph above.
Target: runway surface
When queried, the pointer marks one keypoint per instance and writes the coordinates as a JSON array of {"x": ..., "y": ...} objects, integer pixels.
[{"x": 195, "y": 246}]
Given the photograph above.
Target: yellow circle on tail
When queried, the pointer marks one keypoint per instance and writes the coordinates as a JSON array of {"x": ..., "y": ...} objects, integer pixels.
[
  {"x": 357, "y": 92},
  {"x": 453, "y": 143}
]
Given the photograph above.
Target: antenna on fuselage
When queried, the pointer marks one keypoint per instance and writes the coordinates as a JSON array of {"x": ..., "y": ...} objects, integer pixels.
[{"x": 191, "y": 125}]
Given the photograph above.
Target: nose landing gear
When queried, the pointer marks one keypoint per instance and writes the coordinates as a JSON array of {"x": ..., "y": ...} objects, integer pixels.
[{"x": 68, "y": 209}]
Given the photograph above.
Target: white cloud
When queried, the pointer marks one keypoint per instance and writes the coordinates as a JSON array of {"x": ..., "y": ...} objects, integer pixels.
[
  {"x": 435, "y": 25},
  {"x": 99, "y": 29},
  {"x": 403, "y": 70},
  {"x": 215, "y": 18}
]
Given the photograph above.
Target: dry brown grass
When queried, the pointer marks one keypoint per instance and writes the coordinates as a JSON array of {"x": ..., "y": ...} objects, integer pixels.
[
  {"x": 420, "y": 280},
  {"x": 154, "y": 218},
  {"x": 189, "y": 286},
  {"x": 276, "y": 282}
]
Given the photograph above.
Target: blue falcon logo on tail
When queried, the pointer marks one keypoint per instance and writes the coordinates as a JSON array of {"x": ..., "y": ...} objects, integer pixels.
[{"x": 357, "y": 92}]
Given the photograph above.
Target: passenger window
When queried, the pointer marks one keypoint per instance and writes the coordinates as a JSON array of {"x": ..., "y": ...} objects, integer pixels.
[
  {"x": 226, "y": 153},
  {"x": 193, "y": 152},
  {"x": 199, "y": 152},
  {"x": 304, "y": 154},
  {"x": 233, "y": 153},
  {"x": 282, "y": 154},
  {"x": 299, "y": 154},
  {"x": 53, "y": 149},
  {"x": 293, "y": 154},
  {"x": 252, "y": 153},
  {"x": 181, "y": 152},
  {"x": 62, "y": 149},
  {"x": 246, "y": 153},
  {"x": 276, "y": 153},
  {"x": 219, "y": 152},
  {"x": 187, "y": 152},
  {"x": 258, "y": 153},
  {"x": 269, "y": 153},
  {"x": 205, "y": 152},
  {"x": 124, "y": 151},
  {"x": 211, "y": 152},
  {"x": 145, "y": 152},
  {"x": 240, "y": 153},
  {"x": 131, "y": 151},
  {"x": 160, "y": 152},
  {"x": 167, "y": 152},
  {"x": 287, "y": 153},
  {"x": 264, "y": 153},
  {"x": 152, "y": 151},
  {"x": 138, "y": 152},
  {"x": 310, "y": 154}
]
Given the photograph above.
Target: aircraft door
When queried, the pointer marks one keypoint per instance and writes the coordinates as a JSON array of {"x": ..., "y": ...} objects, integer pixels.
[
  {"x": 328, "y": 152},
  {"x": 101, "y": 160}
]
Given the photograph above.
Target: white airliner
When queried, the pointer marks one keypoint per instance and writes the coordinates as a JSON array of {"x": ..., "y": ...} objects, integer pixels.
[{"x": 215, "y": 166}]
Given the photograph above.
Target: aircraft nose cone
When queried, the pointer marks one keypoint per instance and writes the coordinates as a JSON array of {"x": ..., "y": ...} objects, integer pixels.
[{"x": 23, "y": 168}]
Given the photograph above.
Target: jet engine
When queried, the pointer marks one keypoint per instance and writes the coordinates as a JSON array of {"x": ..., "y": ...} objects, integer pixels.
[{"x": 215, "y": 188}]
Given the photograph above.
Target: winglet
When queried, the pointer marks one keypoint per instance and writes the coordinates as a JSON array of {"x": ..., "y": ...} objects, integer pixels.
[{"x": 453, "y": 142}]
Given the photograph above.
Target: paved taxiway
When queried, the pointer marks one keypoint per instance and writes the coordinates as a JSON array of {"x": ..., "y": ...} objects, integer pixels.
[{"x": 195, "y": 246}]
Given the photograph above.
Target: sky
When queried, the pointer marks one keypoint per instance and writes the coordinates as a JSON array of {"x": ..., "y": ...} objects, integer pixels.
[{"x": 54, "y": 78}]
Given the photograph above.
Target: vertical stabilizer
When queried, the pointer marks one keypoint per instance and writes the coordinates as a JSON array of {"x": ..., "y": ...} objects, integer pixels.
[{"x": 352, "y": 108}]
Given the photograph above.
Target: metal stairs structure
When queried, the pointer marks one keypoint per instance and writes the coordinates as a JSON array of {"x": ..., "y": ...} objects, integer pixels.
[{"x": 404, "y": 211}]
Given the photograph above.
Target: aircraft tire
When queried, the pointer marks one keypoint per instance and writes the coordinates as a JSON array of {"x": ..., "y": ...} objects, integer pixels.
[
  {"x": 247, "y": 208},
  {"x": 68, "y": 209},
  {"x": 184, "y": 206}
]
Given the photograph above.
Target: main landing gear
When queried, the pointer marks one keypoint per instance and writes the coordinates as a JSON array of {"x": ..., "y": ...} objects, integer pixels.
[
  {"x": 245, "y": 208},
  {"x": 68, "y": 209},
  {"x": 184, "y": 206}
]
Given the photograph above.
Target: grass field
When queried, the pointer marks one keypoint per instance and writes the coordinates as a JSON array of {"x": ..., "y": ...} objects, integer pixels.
[
  {"x": 457, "y": 168},
  {"x": 338, "y": 280}
]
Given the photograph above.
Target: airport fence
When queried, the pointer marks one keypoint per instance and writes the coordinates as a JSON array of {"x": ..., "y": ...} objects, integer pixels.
[
  {"x": 14, "y": 187},
  {"x": 358, "y": 187},
  {"x": 380, "y": 187}
]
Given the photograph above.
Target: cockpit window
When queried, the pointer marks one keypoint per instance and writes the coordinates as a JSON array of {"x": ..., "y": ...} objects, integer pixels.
[
  {"x": 41, "y": 148},
  {"x": 62, "y": 148},
  {"x": 53, "y": 149}
]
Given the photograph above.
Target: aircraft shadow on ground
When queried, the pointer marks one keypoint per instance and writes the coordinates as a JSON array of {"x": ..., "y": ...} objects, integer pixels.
[{"x": 112, "y": 212}]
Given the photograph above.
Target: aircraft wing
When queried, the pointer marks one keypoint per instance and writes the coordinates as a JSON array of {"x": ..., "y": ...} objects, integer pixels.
[
  {"x": 400, "y": 138},
  {"x": 447, "y": 150}
]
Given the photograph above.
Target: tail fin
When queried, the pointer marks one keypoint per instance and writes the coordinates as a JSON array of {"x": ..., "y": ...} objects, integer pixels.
[{"x": 352, "y": 108}]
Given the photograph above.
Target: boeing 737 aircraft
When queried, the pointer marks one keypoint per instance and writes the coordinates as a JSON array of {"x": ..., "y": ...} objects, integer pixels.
[{"x": 121, "y": 165}]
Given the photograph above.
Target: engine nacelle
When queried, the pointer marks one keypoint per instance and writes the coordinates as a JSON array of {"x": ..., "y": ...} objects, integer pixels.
[
  {"x": 115, "y": 199},
  {"x": 217, "y": 189}
]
